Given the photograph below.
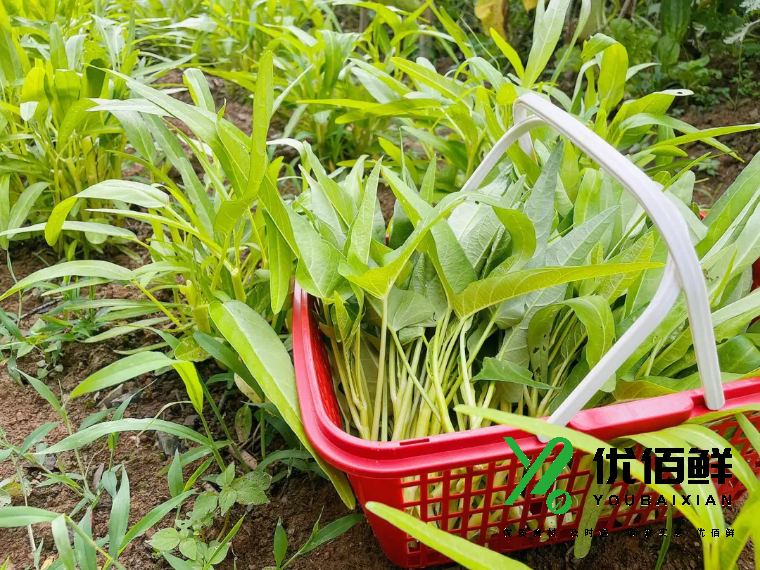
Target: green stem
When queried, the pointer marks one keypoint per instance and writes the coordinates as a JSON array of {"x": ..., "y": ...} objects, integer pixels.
[
  {"x": 158, "y": 303},
  {"x": 78, "y": 457},
  {"x": 262, "y": 429},
  {"x": 380, "y": 372},
  {"x": 469, "y": 393},
  {"x": 228, "y": 435},
  {"x": 413, "y": 376},
  {"x": 83, "y": 535},
  {"x": 17, "y": 468},
  {"x": 237, "y": 284},
  {"x": 436, "y": 379},
  {"x": 214, "y": 450}
]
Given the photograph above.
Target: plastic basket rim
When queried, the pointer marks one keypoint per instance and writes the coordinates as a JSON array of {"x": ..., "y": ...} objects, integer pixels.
[{"x": 361, "y": 457}]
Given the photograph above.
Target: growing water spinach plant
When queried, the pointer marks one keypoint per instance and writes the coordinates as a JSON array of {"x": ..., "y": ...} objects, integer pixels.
[
  {"x": 54, "y": 144},
  {"x": 209, "y": 245}
]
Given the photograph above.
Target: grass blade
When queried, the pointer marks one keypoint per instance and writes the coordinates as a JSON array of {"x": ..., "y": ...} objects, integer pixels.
[
  {"x": 117, "y": 525},
  {"x": 121, "y": 371},
  {"x": 102, "y": 269},
  {"x": 95, "y": 432},
  {"x": 460, "y": 550},
  {"x": 269, "y": 362}
]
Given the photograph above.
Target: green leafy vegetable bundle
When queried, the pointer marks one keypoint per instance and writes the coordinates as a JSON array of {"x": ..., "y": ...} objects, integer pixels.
[{"x": 505, "y": 297}]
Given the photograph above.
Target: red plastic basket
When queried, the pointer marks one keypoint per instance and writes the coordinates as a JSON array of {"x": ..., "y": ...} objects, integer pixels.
[
  {"x": 381, "y": 471},
  {"x": 460, "y": 480}
]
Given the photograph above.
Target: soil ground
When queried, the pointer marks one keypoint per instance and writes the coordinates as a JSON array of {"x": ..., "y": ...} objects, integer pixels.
[{"x": 300, "y": 499}]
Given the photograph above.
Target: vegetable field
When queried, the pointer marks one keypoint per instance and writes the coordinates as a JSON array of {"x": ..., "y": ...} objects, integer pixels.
[{"x": 190, "y": 191}]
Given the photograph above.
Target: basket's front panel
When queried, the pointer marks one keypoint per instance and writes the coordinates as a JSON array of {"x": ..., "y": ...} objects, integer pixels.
[{"x": 468, "y": 501}]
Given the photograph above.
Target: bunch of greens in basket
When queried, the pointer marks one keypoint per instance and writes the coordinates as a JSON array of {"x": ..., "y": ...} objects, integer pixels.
[
  {"x": 420, "y": 325},
  {"x": 430, "y": 320},
  {"x": 469, "y": 302}
]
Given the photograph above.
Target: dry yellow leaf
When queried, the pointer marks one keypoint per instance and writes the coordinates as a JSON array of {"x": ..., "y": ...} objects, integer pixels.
[
  {"x": 247, "y": 390},
  {"x": 491, "y": 15}
]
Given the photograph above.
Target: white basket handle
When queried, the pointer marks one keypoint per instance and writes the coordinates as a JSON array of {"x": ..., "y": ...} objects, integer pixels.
[{"x": 682, "y": 271}]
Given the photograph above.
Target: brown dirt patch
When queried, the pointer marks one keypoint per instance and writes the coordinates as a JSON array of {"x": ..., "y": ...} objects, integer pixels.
[{"x": 745, "y": 144}]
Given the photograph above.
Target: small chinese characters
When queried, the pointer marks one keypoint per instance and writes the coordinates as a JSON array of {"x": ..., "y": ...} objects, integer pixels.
[{"x": 528, "y": 533}]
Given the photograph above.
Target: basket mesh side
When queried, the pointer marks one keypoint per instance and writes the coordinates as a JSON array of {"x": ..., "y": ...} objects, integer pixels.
[{"x": 468, "y": 501}]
